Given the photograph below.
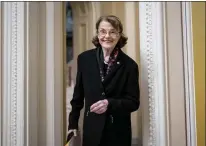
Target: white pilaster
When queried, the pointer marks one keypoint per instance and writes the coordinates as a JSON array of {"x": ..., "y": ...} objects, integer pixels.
[
  {"x": 189, "y": 74},
  {"x": 50, "y": 73},
  {"x": 32, "y": 73},
  {"x": 54, "y": 74},
  {"x": 167, "y": 74},
  {"x": 13, "y": 74},
  {"x": 153, "y": 80}
]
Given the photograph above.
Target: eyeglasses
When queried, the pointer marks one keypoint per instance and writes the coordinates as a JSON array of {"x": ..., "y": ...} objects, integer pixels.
[{"x": 103, "y": 33}]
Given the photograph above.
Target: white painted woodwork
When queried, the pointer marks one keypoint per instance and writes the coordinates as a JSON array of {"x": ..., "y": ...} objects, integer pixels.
[{"x": 32, "y": 73}]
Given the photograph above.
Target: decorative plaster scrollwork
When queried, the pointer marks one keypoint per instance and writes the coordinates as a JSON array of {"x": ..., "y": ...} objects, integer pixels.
[
  {"x": 150, "y": 71},
  {"x": 14, "y": 76}
]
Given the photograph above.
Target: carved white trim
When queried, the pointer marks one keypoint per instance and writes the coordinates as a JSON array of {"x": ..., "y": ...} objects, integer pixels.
[
  {"x": 154, "y": 70},
  {"x": 152, "y": 79},
  {"x": 189, "y": 74},
  {"x": 13, "y": 74}
]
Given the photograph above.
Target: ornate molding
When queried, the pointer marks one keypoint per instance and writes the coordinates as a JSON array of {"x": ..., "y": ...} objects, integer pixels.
[
  {"x": 147, "y": 59},
  {"x": 152, "y": 73},
  {"x": 13, "y": 74}
]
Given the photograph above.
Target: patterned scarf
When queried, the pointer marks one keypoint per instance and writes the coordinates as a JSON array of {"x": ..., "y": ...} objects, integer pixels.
[{"x": 110, "y": 63}]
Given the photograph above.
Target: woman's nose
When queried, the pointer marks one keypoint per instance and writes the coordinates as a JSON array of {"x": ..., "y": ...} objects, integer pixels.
[{"x": 107, "y": 34}]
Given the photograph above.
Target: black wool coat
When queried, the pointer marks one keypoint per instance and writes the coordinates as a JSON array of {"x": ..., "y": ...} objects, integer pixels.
[{"x": 120, "y": 87}]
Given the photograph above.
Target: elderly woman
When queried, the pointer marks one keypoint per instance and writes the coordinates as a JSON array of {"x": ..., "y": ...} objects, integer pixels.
[{"x": 107, "y": 81}]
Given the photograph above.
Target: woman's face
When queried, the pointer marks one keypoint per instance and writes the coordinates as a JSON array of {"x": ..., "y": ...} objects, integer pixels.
[{"x": 108, "y": 36}]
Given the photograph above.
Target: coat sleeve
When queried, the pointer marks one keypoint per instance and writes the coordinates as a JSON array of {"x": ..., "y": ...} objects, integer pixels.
[
  {"x": 130, "y": 99},
  {"x": 77, "y": 101}
]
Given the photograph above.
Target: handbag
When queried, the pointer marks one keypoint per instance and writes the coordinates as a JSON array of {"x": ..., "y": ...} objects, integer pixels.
[{"x": 73, "y": 140}]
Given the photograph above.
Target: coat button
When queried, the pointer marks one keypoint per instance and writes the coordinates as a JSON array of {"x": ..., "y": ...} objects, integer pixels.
[{"x": 103, "y": 93}]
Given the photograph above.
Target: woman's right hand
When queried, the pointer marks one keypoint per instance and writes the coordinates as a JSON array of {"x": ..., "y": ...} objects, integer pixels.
[
  {"x": 99, "y": 107},
  {"x": 73, "y": 130}
]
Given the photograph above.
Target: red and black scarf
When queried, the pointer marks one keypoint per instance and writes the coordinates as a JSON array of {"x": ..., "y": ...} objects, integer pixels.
[{"x": 103, "y": 67}]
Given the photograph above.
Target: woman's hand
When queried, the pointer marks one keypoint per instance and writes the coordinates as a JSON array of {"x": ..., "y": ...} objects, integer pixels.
[
  {"x": 99, "y": 107},
  {"x": 73, "y": 130}
]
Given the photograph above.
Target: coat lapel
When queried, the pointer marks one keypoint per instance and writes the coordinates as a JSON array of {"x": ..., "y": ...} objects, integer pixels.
[{"x": 97, "y": 70}]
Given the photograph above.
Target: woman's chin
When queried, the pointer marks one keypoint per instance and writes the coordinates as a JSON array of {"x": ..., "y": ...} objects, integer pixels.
[{"x": 108, "y": 47}]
